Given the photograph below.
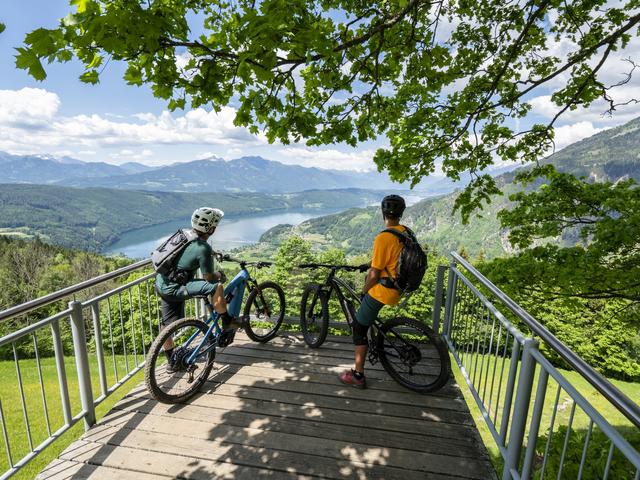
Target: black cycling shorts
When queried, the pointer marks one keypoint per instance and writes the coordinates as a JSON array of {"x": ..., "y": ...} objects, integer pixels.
[{"x": 365, "y": 316}]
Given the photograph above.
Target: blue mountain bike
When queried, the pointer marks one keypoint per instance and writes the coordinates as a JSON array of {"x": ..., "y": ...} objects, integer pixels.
[{"x": 195, "y": 342}]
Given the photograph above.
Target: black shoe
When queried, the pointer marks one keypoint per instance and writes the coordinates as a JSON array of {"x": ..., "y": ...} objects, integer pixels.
[
  {"x": 226, "y": 337},
  {"x": 172, "y": 368},
  {"x": 233, "y": 323}
]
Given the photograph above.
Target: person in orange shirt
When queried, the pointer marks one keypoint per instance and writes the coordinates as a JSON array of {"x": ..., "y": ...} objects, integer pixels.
[{"x": 378, "y": 289}]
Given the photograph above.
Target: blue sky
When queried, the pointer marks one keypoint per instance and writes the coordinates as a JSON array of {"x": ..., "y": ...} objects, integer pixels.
[{"x": 114, "y": 122}]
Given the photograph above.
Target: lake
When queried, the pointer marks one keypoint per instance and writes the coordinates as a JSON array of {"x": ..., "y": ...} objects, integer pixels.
[{"x": 231, "y": 233}]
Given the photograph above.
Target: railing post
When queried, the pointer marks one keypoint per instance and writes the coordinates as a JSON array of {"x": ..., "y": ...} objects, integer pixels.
[
  {"x": 450, "y": 300},
  {"x": 520, "y": 409},
  {"x": 437, "y": 301},
  {"x": 82, "y": 363},
  {"x": 97, "y": 335},
  {"x": 62, "y": 372}
]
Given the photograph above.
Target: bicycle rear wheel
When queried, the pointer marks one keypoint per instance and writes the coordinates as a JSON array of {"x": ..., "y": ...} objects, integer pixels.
[
  {"x": 264, "y": 312},
  {"x": 314, "y": 315},
  {"x": 183, "y": 378},
  {"x": 413, "y": 354}
]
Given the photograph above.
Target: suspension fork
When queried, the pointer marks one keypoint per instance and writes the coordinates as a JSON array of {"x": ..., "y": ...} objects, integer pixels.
[{"x": 260, "y": 295}]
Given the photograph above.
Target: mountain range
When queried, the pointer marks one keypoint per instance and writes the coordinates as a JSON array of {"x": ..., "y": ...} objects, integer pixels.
[
  {"x": 246, "y": 174},
  {"x": 607, "y": 156}
]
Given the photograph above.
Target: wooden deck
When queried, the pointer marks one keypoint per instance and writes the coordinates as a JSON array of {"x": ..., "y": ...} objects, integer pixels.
[{"x": 278, "y": 410}]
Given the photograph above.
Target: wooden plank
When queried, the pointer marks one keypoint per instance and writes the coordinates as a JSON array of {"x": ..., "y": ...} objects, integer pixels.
[
  {"x": 319, "y": 409},
  {"x": 67, "y": 469},
  {"x": 337, "y": 390},
  {"x": 197, "y": 436},
  {"x": 328, "y": 375},
  {"x": 278, "y": 411},
  {"x": 342, "y": 364},
  {"x": 163, "y": 462},
  {"x": 425, "y": 412},
  {"x": 337, "y": 349},
  {"x": 277, "y": 419}
]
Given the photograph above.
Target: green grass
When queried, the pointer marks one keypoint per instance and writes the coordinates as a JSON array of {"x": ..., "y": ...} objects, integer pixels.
[
  {"x": 598, "y": 447},
  {"x": 13, "y": 413}
]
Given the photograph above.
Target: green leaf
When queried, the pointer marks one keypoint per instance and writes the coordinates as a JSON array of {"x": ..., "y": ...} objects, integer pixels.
[
  {"x": 81, "y": 5},
  {"x": 27, "y": 60},
  {"x": 2, "y": 27},
  {"x": 90, "y": 76}
]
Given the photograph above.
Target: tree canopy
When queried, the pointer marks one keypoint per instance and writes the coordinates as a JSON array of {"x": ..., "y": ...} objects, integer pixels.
[{"x": 444, "y": 81}]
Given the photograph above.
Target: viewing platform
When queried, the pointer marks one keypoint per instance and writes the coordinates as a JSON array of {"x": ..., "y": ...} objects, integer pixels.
[{"x": 278, "y": 410}]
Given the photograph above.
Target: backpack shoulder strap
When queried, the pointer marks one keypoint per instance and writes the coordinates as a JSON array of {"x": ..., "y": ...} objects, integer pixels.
[
  {"x": 402, "y": 236},
  {"x": 190, "y": 234}
]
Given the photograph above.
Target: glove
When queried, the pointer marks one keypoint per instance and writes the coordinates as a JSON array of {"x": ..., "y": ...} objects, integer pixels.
[
  {"x": 218, "y": 256},
  {"x": 219, "y": 277}
]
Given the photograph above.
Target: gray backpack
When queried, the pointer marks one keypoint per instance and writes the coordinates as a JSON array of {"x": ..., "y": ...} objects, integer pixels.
[{"x": 165, "y": 255}]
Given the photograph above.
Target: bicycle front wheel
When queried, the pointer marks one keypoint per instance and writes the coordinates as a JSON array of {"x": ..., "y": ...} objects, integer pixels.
[
  {"x": 314, "y": 315},
  {"x": 413, "y": 354},
  {"x": 177, "y": 379},
  {"x": 264, "y": 312}
]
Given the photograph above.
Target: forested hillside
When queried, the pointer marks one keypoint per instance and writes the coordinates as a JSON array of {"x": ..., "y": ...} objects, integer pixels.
[
  {"x": 608, "y": 156},
  {"x": 92, "y": 218}
]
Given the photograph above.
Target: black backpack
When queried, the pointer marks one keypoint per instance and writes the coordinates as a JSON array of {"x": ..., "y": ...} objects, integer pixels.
[
  {"x": 412, "y": 263},
  {"x": 166, "y": 254}
]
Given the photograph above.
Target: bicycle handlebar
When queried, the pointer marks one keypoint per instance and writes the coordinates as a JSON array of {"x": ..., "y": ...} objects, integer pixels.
[
  {"x": 350, "y": 268},
  {"x": 244, "y": 263}
]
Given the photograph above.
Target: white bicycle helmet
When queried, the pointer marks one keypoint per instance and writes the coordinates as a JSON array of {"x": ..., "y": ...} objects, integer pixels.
[{"x": 204, "y": 218}]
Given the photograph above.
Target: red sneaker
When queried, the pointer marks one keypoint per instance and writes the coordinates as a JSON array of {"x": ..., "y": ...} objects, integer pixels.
[{"x": 348, "y": 378}]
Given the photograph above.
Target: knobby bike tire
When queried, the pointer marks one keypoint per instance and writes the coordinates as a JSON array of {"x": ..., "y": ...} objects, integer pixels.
[
  {"x": 413, "y": 355},
  {"x": 255, "y": 301},
  {"x": 315, "y": 327},
  {"x": 153, "y": 370}
]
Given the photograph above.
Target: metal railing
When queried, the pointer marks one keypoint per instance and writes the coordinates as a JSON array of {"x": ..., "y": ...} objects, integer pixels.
[
  {"x": 105, "y": 327},
  {"x": 512, "y": 381},
  {"x": 102, "y": 334}
]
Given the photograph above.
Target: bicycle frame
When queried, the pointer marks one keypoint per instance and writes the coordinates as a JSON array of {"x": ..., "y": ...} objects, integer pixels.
[
  {"x": 346, "y": 301},
  {"x": 233, "y": 293}
]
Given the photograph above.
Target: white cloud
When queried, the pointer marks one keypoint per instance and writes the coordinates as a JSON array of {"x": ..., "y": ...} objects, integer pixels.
[
  {"x": 330, "y": 158},
  {"x": 575, "y": 132},
  {"x": 596, "y": 113},
  {"x": 28, "y": 106},
  {"x": 29, "y": 122}
]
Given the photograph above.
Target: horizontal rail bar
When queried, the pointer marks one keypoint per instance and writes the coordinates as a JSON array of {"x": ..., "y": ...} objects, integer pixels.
[
  {"x": 65, "y": 292},
  {"x": 620, "y": 442},
  {"x": 119, "y": 289},
  {"x": 23, "y": 332},
  {"x": 623, "y": 403},
  {"x": 40, "y": 448}
]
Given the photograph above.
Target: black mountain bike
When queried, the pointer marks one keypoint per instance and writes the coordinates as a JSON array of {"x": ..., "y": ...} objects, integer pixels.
[{"x": 410, "y": 351}]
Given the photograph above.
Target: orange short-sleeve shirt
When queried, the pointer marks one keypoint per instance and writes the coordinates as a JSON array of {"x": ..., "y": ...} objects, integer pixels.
[{"x": 386, "y": 250}]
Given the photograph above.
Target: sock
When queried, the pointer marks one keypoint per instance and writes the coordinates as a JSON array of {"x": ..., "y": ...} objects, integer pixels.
[
  {"x": 358, "y": 375},
  {"x": 168, "y": 353},
  {"x": 226, "y": 319}
]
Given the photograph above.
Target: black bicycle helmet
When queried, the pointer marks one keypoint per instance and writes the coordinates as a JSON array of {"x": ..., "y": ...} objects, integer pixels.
[{"x": 393, "y": 206}]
